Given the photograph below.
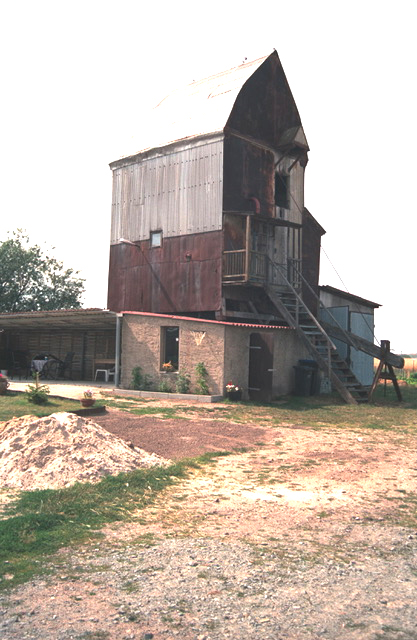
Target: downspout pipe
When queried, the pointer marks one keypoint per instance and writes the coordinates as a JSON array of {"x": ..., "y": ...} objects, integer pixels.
[
  {"x": 119, "y": 318},
  {"x": 257, "y": 204}
]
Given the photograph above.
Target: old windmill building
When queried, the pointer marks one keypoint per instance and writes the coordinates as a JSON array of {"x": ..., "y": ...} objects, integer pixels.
[
  {"x": 215, "y": 201},
  {"x": 210, "y": 234}
]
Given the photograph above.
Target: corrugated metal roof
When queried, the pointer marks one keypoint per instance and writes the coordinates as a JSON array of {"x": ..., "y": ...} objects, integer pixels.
[
  {"x": 190, "y": 319},
  {"x": 69, "y": 318},
  {"x": 201, "y": 108},
  {"x": 349, "y": 296}
]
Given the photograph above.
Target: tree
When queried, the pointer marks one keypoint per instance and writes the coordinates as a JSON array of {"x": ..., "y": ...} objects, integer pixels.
[{"x": 33, "y": 281}]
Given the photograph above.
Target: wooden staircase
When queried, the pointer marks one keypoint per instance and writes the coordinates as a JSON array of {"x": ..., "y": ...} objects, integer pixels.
[{"x": 292, "y": 308}]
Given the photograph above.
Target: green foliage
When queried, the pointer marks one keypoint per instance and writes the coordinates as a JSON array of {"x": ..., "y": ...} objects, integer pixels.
[
  {"x": 182, "y": 384},
  {"x": 37, "y": 393},
  {"x": 140, "y": 380},
  {"x": 32, "y": 281},
  {"x": 201, "y": 381},
  {"x": 413, "y": 378},
  {"x": 164, "y": 387}
]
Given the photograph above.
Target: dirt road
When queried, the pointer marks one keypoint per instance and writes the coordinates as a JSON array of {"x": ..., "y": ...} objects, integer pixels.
[{"x": 308, "y": 534}]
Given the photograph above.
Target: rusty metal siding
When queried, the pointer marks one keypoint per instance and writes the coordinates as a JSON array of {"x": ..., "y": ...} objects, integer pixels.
[
  {"x": 265, "y": 108},
  {"x": 179, "y": 193},
  {"x": 183, "y": 276},
  {"x": 249, "y": 170}
]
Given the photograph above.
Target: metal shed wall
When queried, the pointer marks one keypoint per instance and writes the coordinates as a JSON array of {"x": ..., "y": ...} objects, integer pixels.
[
  {"x": 362, "y": 324},
  {"x": 179, "y": 193}
]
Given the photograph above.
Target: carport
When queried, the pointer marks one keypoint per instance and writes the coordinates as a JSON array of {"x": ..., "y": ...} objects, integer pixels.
[{"x": 88, "y": 334}]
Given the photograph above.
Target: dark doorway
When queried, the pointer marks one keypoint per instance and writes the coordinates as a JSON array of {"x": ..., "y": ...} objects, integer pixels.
[{"x": 261, "y": 359}]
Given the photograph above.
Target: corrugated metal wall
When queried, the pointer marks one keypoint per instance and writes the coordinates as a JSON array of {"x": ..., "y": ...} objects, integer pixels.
[
  {"x": 362, "y": 324},
  {"x": 179, "y": 193}
]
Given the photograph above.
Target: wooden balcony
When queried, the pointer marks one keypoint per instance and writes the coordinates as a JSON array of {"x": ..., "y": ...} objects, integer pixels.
[{"x": 243, "y": 266}]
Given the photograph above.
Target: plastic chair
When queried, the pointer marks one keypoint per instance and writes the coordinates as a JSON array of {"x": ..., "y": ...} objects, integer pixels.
[{"x": 106, "y": 374}]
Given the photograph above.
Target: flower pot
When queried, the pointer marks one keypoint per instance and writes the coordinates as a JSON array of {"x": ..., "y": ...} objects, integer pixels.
[
  {"x": 3, "y": 387},
  {"x": 87, "y": 402},
  {"x": 234, "y": 395}
]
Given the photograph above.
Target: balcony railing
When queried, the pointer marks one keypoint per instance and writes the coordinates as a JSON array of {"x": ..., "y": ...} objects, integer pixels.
[
  {"x": 234, "y": 265},
  {"x": 252, "y": 266}
]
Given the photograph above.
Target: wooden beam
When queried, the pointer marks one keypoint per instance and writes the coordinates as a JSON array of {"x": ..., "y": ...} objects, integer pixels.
[
  {"x": 252, "y": 316},
  {"x": 363, "y": 345}
]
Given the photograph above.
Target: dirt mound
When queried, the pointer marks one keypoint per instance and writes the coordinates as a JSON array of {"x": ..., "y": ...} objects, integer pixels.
[{"x": 61, "y": 449}]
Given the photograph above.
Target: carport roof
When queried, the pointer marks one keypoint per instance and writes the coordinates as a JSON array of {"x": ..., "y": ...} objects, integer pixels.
[{"x": 76, "y": 318}]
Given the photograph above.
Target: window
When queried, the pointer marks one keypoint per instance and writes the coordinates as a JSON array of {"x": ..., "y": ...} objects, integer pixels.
[
  {"x": 170, "y": 342},
  {"x": 156, "y": 238},
  {"x": 282, "y": 195}
]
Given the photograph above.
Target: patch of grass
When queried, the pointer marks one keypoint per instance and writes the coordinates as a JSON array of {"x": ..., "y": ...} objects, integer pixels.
[
  {"x": 313, "y": 412},
  {"x": 405, "y": 509},
  {"x": 145, "y": 540},
  {"x": 39, "y": 523},
  {"x": 349, "y": 624},
  {"x": 94, "y": 635},
  {"x": 16, "y": 404},
  {"x": 203, "y": 574},
  {"x": 210, "y": 456},
  {"x": 395, "y": 633},
  {"x": 323, "y": 514}
]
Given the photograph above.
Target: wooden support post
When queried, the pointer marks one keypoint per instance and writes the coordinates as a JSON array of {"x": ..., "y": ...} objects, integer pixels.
[
  {"x": 247, "y": 253},
  {"x": 385, "y": 371}
]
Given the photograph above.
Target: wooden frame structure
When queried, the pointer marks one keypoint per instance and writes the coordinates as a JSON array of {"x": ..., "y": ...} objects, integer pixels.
[{"x": 385, "y": 371}]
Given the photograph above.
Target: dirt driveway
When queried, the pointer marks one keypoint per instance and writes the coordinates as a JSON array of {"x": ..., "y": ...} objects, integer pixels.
[
  {"x": 181, "y": 437},
  {"x": 308, "y": 534}
]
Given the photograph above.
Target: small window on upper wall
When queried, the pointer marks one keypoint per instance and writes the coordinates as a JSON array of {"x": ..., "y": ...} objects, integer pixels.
[
  {"x": 156, "y": 239},
  {"x": 282, "y": 191}
]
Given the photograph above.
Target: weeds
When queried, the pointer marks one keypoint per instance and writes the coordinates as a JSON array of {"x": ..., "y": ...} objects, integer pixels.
[
  {"x": 202, "y": 379},
  {"x": 183, "y": 382},
  {"x": 140, "y": 380}
]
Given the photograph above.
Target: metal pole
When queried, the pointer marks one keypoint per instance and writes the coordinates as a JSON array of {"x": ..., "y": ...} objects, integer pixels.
[{"x": 119, "y": 317}]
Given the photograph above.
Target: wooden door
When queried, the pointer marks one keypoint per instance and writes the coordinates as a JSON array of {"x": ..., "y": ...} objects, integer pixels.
[{"x": 261, "y": 349}]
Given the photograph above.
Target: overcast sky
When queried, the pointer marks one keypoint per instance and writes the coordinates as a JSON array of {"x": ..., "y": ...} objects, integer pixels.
[{"x": 76, "y": 77}]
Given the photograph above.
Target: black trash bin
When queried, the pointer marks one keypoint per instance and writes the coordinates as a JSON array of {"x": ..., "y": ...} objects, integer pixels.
[
  {"x": 306, "y": 378},
  {"x": 315, "y": 380},
  {"x": 303, "y": 381}
]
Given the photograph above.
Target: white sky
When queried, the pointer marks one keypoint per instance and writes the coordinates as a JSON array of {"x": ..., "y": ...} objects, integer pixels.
[{"x": 76, "y": 77}]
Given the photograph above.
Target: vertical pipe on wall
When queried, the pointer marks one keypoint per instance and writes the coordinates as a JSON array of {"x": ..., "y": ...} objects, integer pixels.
[
  {"x": 119, "y": 317},
  {"x": 83, "y": 353}
]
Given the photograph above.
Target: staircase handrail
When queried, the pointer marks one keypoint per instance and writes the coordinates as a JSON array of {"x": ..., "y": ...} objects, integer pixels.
[
  {"x": 349, "y": 338},
  {"x": 300, "y": 300}
]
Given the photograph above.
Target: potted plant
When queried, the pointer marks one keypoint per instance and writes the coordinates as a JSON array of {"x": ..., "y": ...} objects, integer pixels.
[
  {"x": 168, "y": 367},
  {"x": 4, "y": 384},
  {"x": 88, "y": 398},
  {"x": 233, "y": 391}
]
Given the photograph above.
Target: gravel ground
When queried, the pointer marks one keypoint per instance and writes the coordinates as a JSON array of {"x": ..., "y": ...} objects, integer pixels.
[
  {"x": 210, "y": 589},
  {"x": 310, "y": 534}
]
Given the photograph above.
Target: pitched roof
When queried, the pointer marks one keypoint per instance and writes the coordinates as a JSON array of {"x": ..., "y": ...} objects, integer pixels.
[
  {"x": 348, "y": 296},
  {"x": 60, "y": 318},
  {"x": 205, "y": 320},
  {"x": 198, "y": 109}
]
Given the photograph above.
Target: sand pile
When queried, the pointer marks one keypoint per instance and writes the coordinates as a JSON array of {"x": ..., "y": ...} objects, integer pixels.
[{"x": 61, "y": 449}]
